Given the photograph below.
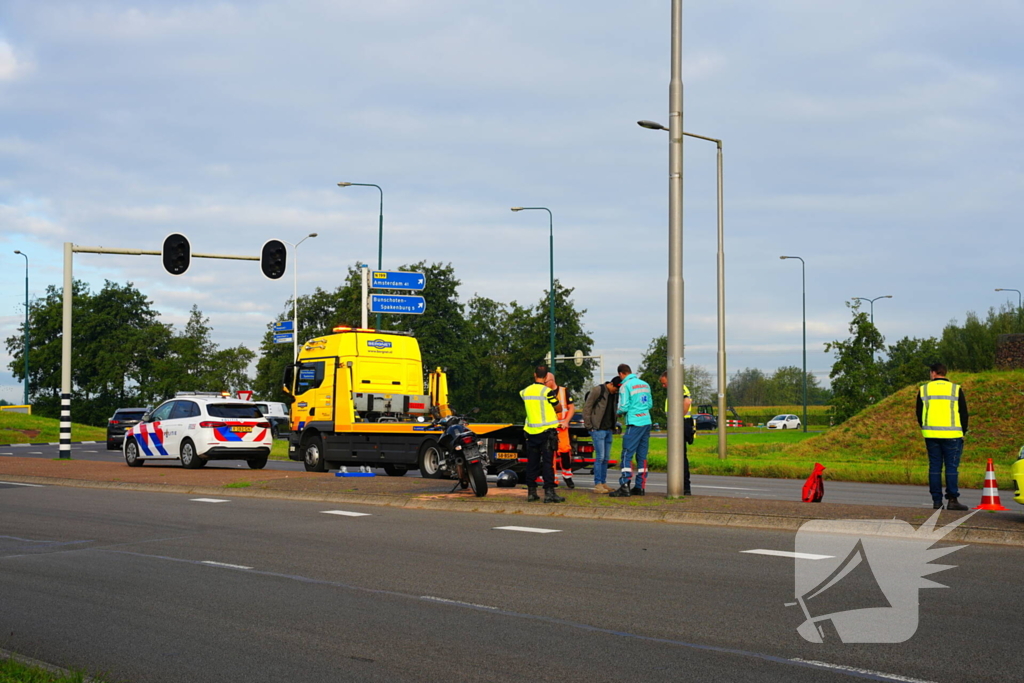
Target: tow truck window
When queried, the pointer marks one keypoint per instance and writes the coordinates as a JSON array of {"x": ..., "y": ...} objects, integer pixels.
[
  {"x": 234, "y": 411},
  {"x": 311, "y": 376}
]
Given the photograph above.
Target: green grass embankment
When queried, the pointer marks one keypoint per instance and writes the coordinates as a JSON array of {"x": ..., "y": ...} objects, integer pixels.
[
  {"x": 22, "y": 428},
  {"x": 12, "y": 671}
]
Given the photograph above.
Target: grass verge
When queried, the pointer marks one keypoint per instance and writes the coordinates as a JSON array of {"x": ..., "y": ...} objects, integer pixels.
[
  {"x": 22, "y": 428},
  {"x": 13, "y": 671}
]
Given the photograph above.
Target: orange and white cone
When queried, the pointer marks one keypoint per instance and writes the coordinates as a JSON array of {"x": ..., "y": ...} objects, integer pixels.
[{"x": 990, "y": 494}]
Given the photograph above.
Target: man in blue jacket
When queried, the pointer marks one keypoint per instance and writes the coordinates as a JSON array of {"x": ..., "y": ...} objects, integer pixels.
[{"x": 635, "y": 405}]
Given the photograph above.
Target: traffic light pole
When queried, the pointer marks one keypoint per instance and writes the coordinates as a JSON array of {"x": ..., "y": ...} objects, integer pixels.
[{"x": 65, "y": 350}]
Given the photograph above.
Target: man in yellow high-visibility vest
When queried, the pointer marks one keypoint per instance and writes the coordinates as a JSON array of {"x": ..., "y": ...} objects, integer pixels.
[
  {"x": 542, "y": 408},
  {"x": 942, "y": 415}
]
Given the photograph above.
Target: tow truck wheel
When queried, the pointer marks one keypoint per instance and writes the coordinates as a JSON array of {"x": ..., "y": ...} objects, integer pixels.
[
  {"x": 395, "y": 470},
  {"x": 131, "y": 454},
  {"x": 430, "y": 460},
  {"x": 313, "y": 454}
]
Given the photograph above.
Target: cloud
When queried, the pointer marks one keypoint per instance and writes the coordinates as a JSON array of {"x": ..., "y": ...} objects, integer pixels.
[{"x": 12, "y": 65}]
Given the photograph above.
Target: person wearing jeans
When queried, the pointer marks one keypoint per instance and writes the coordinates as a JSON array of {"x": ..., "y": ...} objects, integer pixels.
[
  {"x": 635, "y": 406},
  {"x": 942, "y": 415},
  {"x": 599, "y": 418}
]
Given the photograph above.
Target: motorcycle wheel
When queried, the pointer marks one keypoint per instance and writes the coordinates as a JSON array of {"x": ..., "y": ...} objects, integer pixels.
[{"x": 478, "y": 480}]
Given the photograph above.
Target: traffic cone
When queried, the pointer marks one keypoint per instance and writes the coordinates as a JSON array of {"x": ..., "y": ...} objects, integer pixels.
[{"x": 990, "y": 494}]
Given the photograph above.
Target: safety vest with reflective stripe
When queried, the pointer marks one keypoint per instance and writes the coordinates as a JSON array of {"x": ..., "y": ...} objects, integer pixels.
[
  {"x": 686, "y": 394},
  {"x": 540, "y": 414},
  {"x": 940, "y": 418}
]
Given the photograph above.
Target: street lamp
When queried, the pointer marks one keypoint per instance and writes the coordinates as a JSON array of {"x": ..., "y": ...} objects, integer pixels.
[
  {"x": 864, "y": 298},
  {"x": 26, "y": 323},
  {"x": 803, "y": 287},
  {"x": 721, "y": 288},
  {"x": 551, "y": 297},
  {"x": 295, "y": 294},
  {"x": 999, "y": 289},
  {"x": 380, "y": 228}
]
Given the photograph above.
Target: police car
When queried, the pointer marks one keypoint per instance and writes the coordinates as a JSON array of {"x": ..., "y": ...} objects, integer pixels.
[{"x": 196, "y": 427}]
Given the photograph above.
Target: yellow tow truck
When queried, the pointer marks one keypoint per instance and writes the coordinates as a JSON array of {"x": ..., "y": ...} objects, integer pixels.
[{"x": 360, "y": 400}]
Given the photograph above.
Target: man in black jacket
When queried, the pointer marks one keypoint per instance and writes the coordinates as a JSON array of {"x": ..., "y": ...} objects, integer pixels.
[{"x": 599, "y": 413}]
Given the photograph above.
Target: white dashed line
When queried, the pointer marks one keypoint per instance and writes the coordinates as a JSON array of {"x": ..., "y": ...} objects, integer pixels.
[
  {"x": 224, "y": 564},
  {"x": 346, "y": 513},
  {"x": 841, "y": 667},
  {"x": 456, "y": 602},
  {"x": 530, "y": 529},
  {"x": 786, "y": 553},
  {"x": 209, "y": 500},
  {"x": 14, "y": 483},
  {"x": 725, "y": 488}
]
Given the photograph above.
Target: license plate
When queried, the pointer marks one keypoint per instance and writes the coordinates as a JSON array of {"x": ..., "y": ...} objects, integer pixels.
[
  {"x": 507, "y": 456},
  {"x": 241, "y": 428}
]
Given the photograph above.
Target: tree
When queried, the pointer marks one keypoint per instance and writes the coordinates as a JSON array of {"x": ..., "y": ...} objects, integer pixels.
[
  {"x": 748, "y": 387},
  {"x": 908, "y": 361},
  {"x": 856, "y": 380},
  {"x": 655, "y": 361}
]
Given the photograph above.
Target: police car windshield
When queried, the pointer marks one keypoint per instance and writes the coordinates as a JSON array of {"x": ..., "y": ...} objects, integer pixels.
[{"x": 234, "y": 411}]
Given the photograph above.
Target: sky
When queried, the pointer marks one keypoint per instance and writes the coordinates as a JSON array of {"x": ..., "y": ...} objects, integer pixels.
[{"x": 880, "y": 141}]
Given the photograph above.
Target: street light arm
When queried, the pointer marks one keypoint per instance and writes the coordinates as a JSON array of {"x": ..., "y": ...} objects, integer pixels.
[{"x": 551, "y": 290}]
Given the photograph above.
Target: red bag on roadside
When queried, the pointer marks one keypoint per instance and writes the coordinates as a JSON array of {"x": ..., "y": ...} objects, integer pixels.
[{"x": 814, "y": 487}]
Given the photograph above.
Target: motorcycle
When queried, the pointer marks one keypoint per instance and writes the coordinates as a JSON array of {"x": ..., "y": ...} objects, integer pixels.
[{"x": 463, "y": 456}]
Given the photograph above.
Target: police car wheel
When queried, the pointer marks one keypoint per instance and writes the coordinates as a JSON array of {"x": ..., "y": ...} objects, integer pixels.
[
  {"x": 313, "y": 454},
  {"x": 430, "y": 460},
  {"x": 189, "y": 459},
  {"x": 257, "y": 463},
  {"x": 131, "y": 454}
]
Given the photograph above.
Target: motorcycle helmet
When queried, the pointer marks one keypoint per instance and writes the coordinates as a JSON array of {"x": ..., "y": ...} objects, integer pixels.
[{"x": 507, "y": 479}]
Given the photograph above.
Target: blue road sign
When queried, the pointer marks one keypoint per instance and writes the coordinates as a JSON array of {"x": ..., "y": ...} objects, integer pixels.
[
  {"x": 380, "y": 279},
  {"x": 283, "y": 326},
  {"x": 284, "y": 337},
  {"x": 392, "y": 303}
]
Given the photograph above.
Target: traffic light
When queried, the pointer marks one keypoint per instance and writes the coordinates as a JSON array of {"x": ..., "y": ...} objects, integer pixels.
[
  {"x": 273, "y": 259},
  {"x": 177, "y": 254}
]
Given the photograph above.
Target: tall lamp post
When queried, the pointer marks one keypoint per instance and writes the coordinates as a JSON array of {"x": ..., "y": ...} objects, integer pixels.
[
  {"x": 551, "y": 287},
  {"x": 722, "y": 448},
  {"x": 998, "y": 289},
  {"x": 295, "y": 294},
  {"x": 27, "y": 337},
  {"x": 864, "y": 298},
  {"x": 803, "y": 288},
  {"x": 380, "y": 228}
]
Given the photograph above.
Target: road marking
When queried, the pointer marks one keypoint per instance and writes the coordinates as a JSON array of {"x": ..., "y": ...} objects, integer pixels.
[
  {"x": 725, "y": 488},
  {"x": 209, "y": 500},
  {"x": 35, "y": 452},
  {"x": 786, "y": 553},
  {"x": 346, "y": 513},
  {"x": 224, "y": 564},
  {"x": 92, "y": 451},
  {"x": 530, "y": 529},
  {"x": 456, "y": 602},
  {"x": 853, "y": 669},
  {"x": 14, "y": 483}
]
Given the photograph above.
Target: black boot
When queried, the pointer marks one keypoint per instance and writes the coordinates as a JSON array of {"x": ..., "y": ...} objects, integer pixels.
[
  {"x": 551, "y": 497},
  {"x": 531, "y": 496},
  {"x": 569, "y": 483},
  {"x": 955, "y": 504},
  {"x": 636, "y": 491},
  {"x": 621, "y": 492},
  {"x": 937, "y": 505}
]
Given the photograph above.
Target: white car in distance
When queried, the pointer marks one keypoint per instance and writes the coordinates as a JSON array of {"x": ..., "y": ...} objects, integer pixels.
[
  {"x": 784, "y": 422},
  {"x": 198, "y": 427}
]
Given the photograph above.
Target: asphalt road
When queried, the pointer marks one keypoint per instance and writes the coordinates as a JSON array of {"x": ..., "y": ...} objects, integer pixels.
[
  {"x": 152, "y": 587},
  {"x": 737, "y": 487}
]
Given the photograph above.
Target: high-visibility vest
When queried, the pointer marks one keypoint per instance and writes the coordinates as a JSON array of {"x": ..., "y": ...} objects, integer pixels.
[
  {"x": 540, "y": 415},
  {"x": 686, "y": 394},
  {"x": 940, "y": 418}
]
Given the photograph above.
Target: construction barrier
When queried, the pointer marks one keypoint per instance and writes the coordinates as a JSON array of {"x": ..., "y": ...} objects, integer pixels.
[{"x": 734, "y": 423}]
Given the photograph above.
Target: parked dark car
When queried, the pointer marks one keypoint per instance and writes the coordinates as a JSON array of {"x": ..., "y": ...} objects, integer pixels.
[
  {"x": 705, "y": 421},
  {"x": 123, "y": 420}
]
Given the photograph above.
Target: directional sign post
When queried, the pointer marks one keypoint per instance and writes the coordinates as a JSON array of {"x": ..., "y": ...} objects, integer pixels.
[
  {"x": 283, "y": 326},
  {"x": 283, "y": 338},
  {"x": 380, "y": 279},
  {"x": 393, "y": 303}
]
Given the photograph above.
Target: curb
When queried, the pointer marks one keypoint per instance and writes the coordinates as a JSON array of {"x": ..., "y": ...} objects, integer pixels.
[
  {"x": 52, "y": 668},
  {"x": 729, "y": 519},
  {"x": 43, "y": 443}
]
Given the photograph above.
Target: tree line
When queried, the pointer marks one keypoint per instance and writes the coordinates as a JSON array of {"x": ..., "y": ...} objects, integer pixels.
[
  {"x": 866, "y": 370},
  {"x": 122, "y": 355}
]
